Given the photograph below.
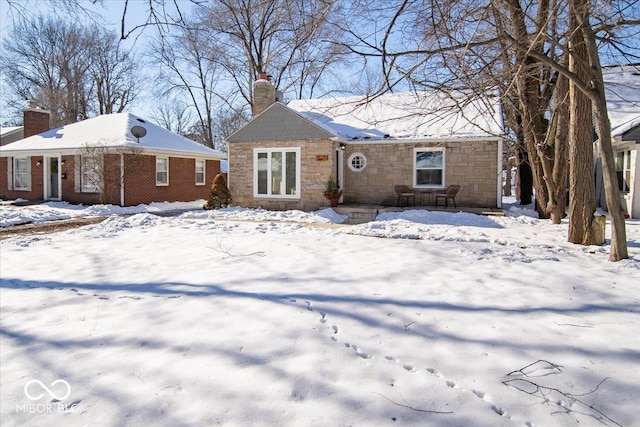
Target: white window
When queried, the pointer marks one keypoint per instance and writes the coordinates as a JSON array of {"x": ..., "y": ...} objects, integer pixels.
[
  {"x": 276, "y": 173},
  {"x": 357, "y": 162},
  {"x": 200, "y": 172},
  {"x": 162, "y": 171},
  {"x": 429, "y": 167},
  {"x": 22, "y": 173},
  {"x": 623, "y": 170},
  {"x": 90, "y": 174}
]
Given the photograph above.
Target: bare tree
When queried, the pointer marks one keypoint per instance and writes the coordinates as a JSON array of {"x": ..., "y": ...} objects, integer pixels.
[
  {"x": 71, "y": 70},
  {"x": 287, "y": 39},
  {"x": 433, "y": 44},
  {"x": 173, "y": 114},
  {"x": 114, "y": 73},
  {"x": 102, "y": 169},
  {"x": 190, "y": 72}
]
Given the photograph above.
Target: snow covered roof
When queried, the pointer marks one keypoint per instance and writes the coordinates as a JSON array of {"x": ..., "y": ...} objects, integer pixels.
[
  {"x": 7, "y": 130},
  {"x": 111, "y": 130},
  {"x": 623, "y": 97},
  {"x": 410, "y": 115}
]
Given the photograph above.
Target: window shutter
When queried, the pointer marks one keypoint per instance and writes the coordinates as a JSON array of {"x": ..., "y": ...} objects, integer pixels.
[
  {"x": 77, "y": 165},
  {"x": 30, "y": 178},
  {"x": 10, "y": 173}
]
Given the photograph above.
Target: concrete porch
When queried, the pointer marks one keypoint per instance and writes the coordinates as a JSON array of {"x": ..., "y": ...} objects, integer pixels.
[{"x": 359, "y": 213}]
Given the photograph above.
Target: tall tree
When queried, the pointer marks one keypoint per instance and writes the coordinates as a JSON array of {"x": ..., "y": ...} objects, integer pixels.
[
  {"x": 433, "y": 44},
  {"x": 68, "y": 69},
  {"x": 189, "y": 72},
  {"x": 288, "y": 39}
]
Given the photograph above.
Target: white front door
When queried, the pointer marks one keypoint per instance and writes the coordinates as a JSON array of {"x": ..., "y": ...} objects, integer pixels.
[{"x": 52, "y": 181}]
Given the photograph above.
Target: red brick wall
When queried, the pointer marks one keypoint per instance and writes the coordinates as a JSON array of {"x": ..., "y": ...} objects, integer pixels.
[
  {"x": 36, "y": 121},
  {"x": 37, "y": 184},
  {"x": 140, "y": 181}
]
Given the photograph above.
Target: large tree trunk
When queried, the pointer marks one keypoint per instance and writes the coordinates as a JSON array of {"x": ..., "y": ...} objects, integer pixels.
[
  {"x": 582, "y": 196},
  {"x": 618, "y": 249},
  {"x": 559, "y": 132}
]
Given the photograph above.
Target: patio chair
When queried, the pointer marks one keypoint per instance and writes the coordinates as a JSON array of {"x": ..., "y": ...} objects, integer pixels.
[
  {"x": 405, "y": 192},
  {"x": 449, "y": 193}
]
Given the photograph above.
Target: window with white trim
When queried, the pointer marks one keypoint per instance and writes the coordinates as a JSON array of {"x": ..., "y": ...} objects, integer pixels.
[
  {"x": 200, "y": 172},
  {"x": 623, "y": 170},
  {"x": 357, "y": 162},
  {"x": 90, "y": 174},
  {"x": 276, "y": 173},
  {"x": 429, "y": 167},
  {"x": 22, "y": 173},
  {"x": 162, "y": 171}
]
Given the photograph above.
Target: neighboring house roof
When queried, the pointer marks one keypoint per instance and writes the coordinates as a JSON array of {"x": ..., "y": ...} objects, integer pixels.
[
  {"x": 111, "y": 130},
  {"x": 411, "y": 115},
  {"x": 622, "y": 85},
  {"x": 9, "y": 134}
]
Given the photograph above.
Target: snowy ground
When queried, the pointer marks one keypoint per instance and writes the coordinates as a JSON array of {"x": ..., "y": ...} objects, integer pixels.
[{"x": 242, "y": 317}]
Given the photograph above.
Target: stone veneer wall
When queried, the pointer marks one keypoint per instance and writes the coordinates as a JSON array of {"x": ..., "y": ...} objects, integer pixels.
[
  {"x": 472, "y": 165},
  {"x": 314, "y": 174}
]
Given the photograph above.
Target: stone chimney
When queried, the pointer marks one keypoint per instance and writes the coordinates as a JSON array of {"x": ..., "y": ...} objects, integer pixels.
[
  {"x": 36, "y": 121},
  {"x": 264, "y": 94}
]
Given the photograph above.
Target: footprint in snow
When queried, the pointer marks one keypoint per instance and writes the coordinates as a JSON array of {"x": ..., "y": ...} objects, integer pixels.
[
  {"x": 308, "y": 305},
  {"x": 334, "y": 329},
  {"x": 361, "y": 353},
  {"x": 409, "y": 368}
]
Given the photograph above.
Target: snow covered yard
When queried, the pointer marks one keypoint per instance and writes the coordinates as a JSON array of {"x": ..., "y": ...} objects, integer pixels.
[{"x": 414, "y": 319}]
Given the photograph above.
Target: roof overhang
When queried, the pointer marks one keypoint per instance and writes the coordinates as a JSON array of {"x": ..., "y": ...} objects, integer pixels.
[{"x": 122, "y": 149}]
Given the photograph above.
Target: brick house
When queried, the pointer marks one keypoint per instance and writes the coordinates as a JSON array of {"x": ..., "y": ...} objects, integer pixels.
[
  {"x": 118, "y": 159},
  {"x": 283, "y": 158}
]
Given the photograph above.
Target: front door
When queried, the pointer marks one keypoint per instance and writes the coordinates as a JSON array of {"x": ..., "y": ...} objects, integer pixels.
[{"x": 52, "y": 179}]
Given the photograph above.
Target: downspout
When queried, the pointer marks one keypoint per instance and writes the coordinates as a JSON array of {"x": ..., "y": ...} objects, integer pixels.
[{"x": 121, "y": 179}]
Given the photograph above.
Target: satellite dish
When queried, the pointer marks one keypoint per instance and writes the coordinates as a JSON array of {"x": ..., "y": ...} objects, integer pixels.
[{"x": 138, "y": 132}]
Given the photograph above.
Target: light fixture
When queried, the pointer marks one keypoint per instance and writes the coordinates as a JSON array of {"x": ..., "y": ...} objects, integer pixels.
[
  {"x": 343, "y": 146},
  {"x": 38, "y": 163},
  {"x": 63, "y": 162}
]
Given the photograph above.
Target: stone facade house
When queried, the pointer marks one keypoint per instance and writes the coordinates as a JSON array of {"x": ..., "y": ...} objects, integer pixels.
[
  {"x": 117, "y": 159},
  {"x": 284, "y": 157}
]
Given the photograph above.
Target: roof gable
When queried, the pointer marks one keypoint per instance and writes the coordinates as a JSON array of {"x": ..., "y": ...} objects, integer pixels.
[
  {"x": 279, "y": 123},
  {"x": 112, "y": 130}
]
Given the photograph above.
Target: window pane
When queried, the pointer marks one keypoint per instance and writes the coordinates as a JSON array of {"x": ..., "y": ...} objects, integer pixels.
[
  {"x": 90, "y": 177},
  {"x": 291, "y": 173},
  {"x": 200, "y": 172},
  {"x": 21, "y": 174},
  {"x": 162, "y": 175},
  {"x": 262, "y": 173},
  {"x": 276, "y": 173},
  {"x": 429, "y": 160},
  {"x": 429, "y": 177}
]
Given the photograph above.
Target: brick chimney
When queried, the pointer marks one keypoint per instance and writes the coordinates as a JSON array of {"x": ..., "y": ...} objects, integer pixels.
[
  {"x": 36, "y": 121},
  {"x": 264, "y": 94}
]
